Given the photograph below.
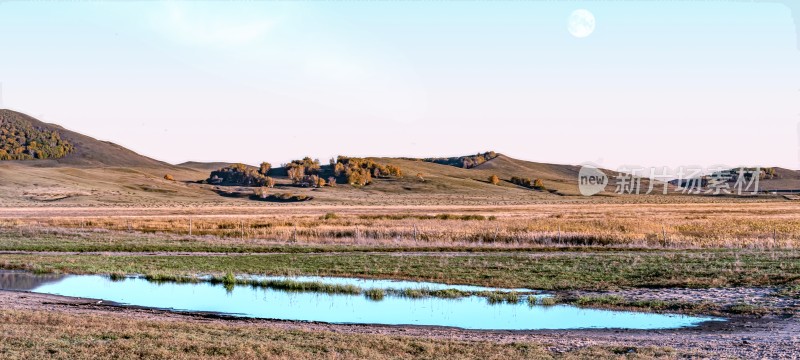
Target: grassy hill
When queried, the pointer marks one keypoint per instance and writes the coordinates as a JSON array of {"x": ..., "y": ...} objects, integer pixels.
[
  {"x": 784, "y": 180},
  {"x": 204, "y": 166},
  {"x": 87, "y": 151},
  {"x": 95, "y": 172},
  {"x": 92, "y": 172}
]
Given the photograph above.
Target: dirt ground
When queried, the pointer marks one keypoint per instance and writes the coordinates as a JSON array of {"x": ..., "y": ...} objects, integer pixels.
[{"x": 747, "y": 338}]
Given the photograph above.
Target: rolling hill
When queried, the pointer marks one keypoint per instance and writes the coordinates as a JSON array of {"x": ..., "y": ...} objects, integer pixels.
[
  {"x": 204, "y": 166},
  {"x": 88, "y": 152},
  {"x": 96, "y": 172}
]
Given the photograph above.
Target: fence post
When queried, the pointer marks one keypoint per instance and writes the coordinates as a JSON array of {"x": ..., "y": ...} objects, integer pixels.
[
  {"x": 774, "y": 237},
  {"x": 294, "y": 233},
  {"x": 241, "y": 226},
  {"x": 190, "y": 226},
  {"x": 415, "y": 232},
  {"x": 559, "y": 233},
  {"x": 664, "y": 232}
]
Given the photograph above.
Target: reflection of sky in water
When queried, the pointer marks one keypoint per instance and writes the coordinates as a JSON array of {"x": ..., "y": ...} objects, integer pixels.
[
  {"x": 386, "y": 284},
  {"x": 470, "y": 313}
]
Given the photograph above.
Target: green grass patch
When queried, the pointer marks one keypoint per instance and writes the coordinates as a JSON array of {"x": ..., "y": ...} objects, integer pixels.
[{"x": 568, "y": 271}]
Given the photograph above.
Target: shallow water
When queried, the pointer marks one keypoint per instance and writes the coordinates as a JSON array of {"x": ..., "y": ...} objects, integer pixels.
[
  {"x": 469, "y": 312},
  {"x": 389, "y": 284}
]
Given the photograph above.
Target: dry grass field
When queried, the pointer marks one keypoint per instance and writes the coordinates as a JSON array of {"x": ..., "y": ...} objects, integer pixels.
[{"x": 681, "y": 225}]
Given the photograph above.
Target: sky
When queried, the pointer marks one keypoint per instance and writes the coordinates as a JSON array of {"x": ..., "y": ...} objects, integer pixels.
[{"x": 658, "y": 83}]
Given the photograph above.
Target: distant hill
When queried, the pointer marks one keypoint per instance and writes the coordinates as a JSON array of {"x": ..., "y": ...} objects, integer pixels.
[
  {"x": 204, "y": 166},
  {"x": 66, "y": 167},
  {"x": 85, "y": 152},
  {"x": 771, "y": 179},
  {"x": 784, "y": 180}
]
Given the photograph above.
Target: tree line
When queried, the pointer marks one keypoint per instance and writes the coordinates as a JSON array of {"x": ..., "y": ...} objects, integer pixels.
[
  {"x": 466, "y": 162},
  {"x": 20, "y": 140},
  {"x": 306, "y": 172}
]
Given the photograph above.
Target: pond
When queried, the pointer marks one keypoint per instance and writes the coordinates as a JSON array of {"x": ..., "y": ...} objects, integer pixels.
[{"x": 473, "y": 311}]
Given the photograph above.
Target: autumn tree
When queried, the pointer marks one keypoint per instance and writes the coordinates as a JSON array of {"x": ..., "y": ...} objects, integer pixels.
[
  {"x": 494, "y": 179},
  {"x": 296, "y": 173},
  {"x": 21, "y": 140},
  {"x": 264, "y": 168},
  {"x": 238, "y": 175}
]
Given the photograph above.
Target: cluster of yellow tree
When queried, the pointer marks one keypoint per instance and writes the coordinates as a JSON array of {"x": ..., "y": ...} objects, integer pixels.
[
  {"x": 23, "y": 141},
  {"x": 307, "y": 173},
  {"x": 360, "y": 172},
  {"x": 242, "y": 175}
]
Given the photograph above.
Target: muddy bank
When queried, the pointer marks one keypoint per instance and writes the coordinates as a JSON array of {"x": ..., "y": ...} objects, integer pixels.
[
  {"x": 740, "y": 337},
  {"x": 768, "y": 297}
]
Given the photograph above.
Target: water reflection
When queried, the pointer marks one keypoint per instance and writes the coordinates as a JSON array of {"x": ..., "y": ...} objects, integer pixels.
[
  {"x": 471, "y": 312},
  {"x": 18, "y": 280}
]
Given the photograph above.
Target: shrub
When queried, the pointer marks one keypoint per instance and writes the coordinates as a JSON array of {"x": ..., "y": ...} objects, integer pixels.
[
  {"x": 332, "y": 181},
  {"x": 229, "y": 279},
  {"x": 536, "y": 184},
  {"x": 285, "y": 197},
  {"x": 169, "y": 177},
  {"x": 494, "y": 179},
  {"x": 526, "y": 182},
  {"x": 329, "y": 216}
]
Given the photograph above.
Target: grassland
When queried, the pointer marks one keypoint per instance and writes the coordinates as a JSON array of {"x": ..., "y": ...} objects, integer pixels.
[
  {"x": 746, "y": 225},
  {"x": 566, "y": 248},
  {"x": 29, "y": 335},
  {"x": 549, "y": 271}
]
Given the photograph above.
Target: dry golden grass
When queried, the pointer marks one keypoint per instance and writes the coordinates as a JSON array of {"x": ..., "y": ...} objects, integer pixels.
[
  {"x": 37, "y": 335},
  {"x": 753, "y": 225}
]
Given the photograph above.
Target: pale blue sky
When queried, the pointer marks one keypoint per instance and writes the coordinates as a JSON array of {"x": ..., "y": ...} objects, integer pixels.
[{"x": 657, "y": 84}]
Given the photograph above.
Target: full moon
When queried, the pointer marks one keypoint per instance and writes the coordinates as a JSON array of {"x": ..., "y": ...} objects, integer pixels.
[{"x": 581, "y": 23}]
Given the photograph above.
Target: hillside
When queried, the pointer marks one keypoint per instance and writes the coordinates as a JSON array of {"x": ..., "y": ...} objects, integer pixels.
[
  {"x": 91, "y": 172},
  {"x": 85, "y": 152},
  {"x": 785, "y": 180},
  {"x": 204, "y": 166},
  {"x": 75, "y": 169}
]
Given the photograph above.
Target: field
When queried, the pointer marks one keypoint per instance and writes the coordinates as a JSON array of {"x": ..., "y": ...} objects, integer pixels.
[{"x": 738, "y": 260}]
